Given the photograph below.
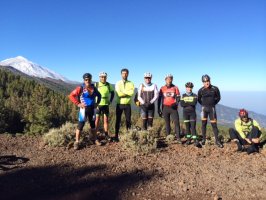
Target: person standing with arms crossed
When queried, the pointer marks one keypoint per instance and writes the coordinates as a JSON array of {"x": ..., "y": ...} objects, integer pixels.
[
  {"x": 124, "y": 90},
  {"x": 209, "y": 96}
]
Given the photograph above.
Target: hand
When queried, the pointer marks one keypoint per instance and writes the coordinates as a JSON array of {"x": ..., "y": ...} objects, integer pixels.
[
  {"x": 248, "y": 140},
  {"x": 160, "y": 113},
  {"x": 81, "y": 105},
  {"x": 95, "y": 105}
]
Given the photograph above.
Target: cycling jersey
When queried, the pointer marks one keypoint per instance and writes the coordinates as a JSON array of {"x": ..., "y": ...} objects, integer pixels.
[
  {"x": 86, "y": 96},
  {"x": 169, "y": 95},
  {"x": 124, "y": 91},
  {"x": 107, "y": 92},
  {"x": 243, "y": 128},
  {"x": 209, "y": 96},
  {"x": 147, "y": 93},
  {"x": 188, "y": 102}
]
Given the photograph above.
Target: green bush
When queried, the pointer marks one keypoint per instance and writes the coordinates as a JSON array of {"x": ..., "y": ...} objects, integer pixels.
[
  {"x": 140, "y": 141},
  {"x": 64, "y": 136}
]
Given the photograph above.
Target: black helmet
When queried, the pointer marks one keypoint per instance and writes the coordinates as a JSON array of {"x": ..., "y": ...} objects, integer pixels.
[
  {"x": 205, "y": 78},
  {"x": 189, "y": 85},
  {"x": 87, "y": 75}
]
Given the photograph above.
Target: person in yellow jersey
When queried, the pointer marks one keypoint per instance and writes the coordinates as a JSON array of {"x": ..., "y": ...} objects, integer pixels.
[
  {"x": 107, "y": 93},
  {"x": 124, "y": 90},
  {"x": 247, "y": 132}
]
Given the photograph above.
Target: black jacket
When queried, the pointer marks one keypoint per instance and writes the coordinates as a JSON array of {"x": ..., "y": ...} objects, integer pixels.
[
  {"x": 188, "y": 102},
  {"x": 209, "y": 96}
]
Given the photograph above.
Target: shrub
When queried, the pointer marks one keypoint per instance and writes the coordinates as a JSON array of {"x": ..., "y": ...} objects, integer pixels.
[
  {"x": 140, "y": 141},
  {"x": 64, "y": 136}
]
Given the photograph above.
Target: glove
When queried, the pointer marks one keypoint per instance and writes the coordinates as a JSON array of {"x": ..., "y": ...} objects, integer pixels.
[{"x": 160, "y": 113}]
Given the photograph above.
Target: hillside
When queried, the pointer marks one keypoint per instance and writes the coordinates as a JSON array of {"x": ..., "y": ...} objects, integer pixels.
[{"x": 54, "y": 84}]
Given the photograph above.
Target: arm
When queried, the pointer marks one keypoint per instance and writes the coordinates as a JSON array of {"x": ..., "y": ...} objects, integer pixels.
[
  {"x": 239, "y": 128},
  {"x": 218, "y": 95},
  {"x": 200, "y": 96},
  {"x": 182, "y": 102},
  {"x": 156, "y": 94},
  {"x": 98, "y": 95},
  {"x": 159, "y": 100},
  {"x": 73, "y": 96},
  {"x": 139, "y": 94},
  {"x": 118, "y": 90},
  {"x": 130, "y": 90},
  {"x": 177, "y": 95},
  {"x": 112, "y": 96}
]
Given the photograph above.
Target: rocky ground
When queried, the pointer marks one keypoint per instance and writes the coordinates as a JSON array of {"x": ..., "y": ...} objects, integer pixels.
[{"x": 30, "y": 170}]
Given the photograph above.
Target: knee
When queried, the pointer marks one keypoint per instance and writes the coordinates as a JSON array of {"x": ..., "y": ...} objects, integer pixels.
[{"x": 204, "y": 122}]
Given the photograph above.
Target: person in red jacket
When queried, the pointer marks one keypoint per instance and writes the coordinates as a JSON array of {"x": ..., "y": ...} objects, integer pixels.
[
  {"x": 84, "y": 97},
  {"x": 169, "y": 97}
]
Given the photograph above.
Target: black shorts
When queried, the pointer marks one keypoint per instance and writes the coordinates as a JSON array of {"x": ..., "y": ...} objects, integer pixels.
[
  {"x": 102, "y": 110},
  {"x": 89, "y": 112},
  {"x": 208, "y": 112}
]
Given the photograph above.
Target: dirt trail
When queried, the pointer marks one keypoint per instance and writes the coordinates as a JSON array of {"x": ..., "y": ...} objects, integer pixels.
[{"x": 30, "y": 171}]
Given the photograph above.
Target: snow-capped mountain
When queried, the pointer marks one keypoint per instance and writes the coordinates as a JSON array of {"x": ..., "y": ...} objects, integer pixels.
[{"x": 22, "y": 64}]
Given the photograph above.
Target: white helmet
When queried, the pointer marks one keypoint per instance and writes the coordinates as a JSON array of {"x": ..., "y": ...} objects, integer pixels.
[
  {"x": 168, "y": 76},
  {"x": 147, "y": 74},
  {"x": 102, "y": 74}
]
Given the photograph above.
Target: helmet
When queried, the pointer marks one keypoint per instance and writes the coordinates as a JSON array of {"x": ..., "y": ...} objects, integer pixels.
[
  {"x": 87, "y": 75},
  {"x": 243, "y": 113},
  {"x": 189, "y": 85},
  {"x": 102, "y": 74},
  {"x": 205, "y": 78},
  {"x": 168, "y": 76},
  {"x": 147, "y": 74}
]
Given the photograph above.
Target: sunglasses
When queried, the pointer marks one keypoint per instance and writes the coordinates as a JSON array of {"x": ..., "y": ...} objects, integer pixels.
[
  {"x": 86, "y": 79},
  {"x": 147, "y": 77}
]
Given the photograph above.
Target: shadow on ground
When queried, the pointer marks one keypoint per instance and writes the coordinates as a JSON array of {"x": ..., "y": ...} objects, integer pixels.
[
  {"x": 9, "y": 162},
  {"x": 65, "y": 182}
]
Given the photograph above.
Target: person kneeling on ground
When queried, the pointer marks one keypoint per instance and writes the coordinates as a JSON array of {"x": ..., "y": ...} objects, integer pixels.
[{"x": 247, "y": 132}]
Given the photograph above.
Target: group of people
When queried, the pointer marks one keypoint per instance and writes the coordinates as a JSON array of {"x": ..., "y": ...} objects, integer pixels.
[{"x": 93, "y": 101}]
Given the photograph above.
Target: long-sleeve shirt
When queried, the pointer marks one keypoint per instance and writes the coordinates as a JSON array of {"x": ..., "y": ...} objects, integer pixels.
[
  {"x": 147, "y": 93},
  {"x": 209, "y": 97},
  {"x": 243, "y": 128},
  {"x": 188, "y": 102},
  {"x": 124, "y": 91},
  {"x": 168, "y": 96},
  {"x": 86, "y": 96}
]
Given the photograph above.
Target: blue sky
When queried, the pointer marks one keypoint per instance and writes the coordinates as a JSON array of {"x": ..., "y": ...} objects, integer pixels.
[{"x": 188, "y": 38}]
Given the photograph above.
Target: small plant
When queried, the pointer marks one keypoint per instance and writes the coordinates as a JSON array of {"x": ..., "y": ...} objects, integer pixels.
[
  {"x": 140, "y": 141},
  {"x": 64, "y": 136}
]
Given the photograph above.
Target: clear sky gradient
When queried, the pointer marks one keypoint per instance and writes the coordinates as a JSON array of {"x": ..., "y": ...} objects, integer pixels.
[{"x": 188, "y": 38}]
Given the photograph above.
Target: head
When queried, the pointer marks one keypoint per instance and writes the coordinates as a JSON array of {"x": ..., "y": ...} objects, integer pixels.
[
  {"x": 147, "y": 77},
  {"x": 206, "y": 80},
  {"x": 124, "y": 73},
  {"x": 189, "y": 86},
  {"x": 87, "y": 79},
  {"x": 103, "y": 77},
  {"x": 168, "y": 79},
  {"x": 243, "y": 114}
]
